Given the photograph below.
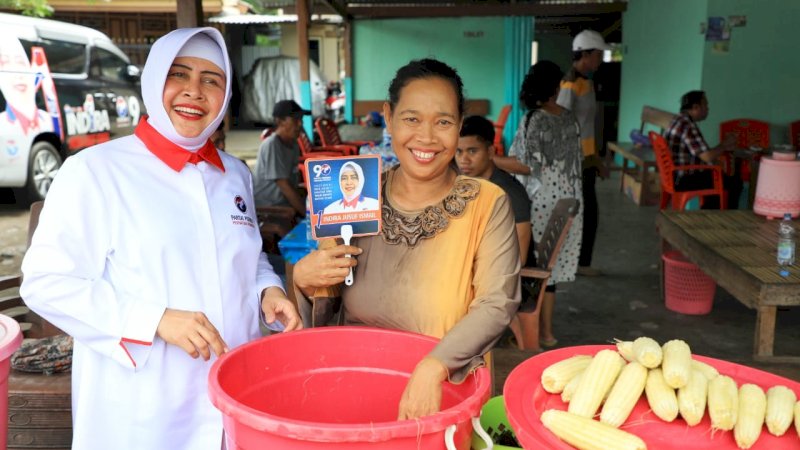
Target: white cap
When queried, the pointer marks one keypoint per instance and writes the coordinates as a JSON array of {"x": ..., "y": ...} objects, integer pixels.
[{"x": 589, "y": 40}]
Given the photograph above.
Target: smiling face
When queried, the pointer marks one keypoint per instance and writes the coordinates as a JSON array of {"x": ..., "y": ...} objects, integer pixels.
[
  {"x": 194, "y": 93},
  {"x": 348, "y": 182},
  {"x": 17, "y": 78},
  {"x": 424, "y": 126}
]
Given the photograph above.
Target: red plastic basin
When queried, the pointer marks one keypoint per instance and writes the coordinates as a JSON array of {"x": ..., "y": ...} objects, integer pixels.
[
  {"x": 336, "y": 388},
  {"x": 526, "y": 400}
]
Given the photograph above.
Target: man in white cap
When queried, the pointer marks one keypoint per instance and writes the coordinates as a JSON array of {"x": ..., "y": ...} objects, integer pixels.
[{"x": 577, "y": 94}]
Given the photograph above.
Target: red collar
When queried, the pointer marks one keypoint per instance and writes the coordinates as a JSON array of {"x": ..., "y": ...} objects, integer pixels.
[
  {"x": 172, "y": 154},
  {"x": 352, "y": 203},
  {"x": 26, "y": 124}
]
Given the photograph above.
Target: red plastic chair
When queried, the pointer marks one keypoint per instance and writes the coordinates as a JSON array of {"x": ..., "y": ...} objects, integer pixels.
[
  {"x": 794, "y": 134},
  {"x": 667, "y": 169},
  {"x": 308, "y": 150},
  {"x": 329, "y": 134},
  {"x": 749, "y": 133},
  {"x": 499, "y": 127}
]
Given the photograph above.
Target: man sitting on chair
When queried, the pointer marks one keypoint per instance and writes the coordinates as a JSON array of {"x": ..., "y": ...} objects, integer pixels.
[
  {"x": 689, "y": 147},
  {"x": 474, "y": 158}
]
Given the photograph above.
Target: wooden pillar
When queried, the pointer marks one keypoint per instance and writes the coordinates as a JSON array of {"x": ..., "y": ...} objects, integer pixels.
[
  {"x": 348, "y": 72},
  {"x": 302, "y": 7},
  {"x": 190, "y": 13}
]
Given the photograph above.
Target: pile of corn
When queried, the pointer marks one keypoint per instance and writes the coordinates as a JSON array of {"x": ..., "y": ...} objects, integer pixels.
[{"x": 674, "y": 384}]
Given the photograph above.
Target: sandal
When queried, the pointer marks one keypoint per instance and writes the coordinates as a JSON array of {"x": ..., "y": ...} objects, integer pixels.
[{"x": 552, "y": 342}]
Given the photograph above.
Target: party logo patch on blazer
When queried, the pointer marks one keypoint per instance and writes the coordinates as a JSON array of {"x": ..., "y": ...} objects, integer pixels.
[{"x": 241, "y": 219}]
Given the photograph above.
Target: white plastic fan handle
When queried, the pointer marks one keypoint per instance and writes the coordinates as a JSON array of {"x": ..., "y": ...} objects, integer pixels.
[{"x": 347, "y": 234}]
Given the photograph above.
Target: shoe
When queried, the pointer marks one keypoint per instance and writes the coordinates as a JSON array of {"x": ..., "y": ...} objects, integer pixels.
[
  {"x": 588, "y": 271},
  {"x": 552, "y": 342}
]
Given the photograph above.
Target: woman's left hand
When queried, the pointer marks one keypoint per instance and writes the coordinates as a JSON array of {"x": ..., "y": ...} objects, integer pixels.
[
  {"x": 423, "y": 394},
  {"x": 276, "y": 306}
]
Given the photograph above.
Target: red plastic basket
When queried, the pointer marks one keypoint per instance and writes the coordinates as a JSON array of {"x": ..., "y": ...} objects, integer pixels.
[{"x": 687, "y": 289}]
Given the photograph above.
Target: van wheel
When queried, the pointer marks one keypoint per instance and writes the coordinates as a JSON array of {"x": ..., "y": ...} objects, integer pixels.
[{"x": 43, "y": 166}]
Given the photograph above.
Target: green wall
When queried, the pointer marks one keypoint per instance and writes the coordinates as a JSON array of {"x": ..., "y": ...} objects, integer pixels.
[
  {"x": 557, "y": 48},
  {"x": 757, "y": 77},
  {"x": 662, "y": 56},
  {"x": 380, "y": 47}
]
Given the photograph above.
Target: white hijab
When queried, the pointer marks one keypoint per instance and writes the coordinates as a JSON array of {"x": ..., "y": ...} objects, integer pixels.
[
  {"x": 351, "y": 166},
  {"x": 154, "y": 76}
]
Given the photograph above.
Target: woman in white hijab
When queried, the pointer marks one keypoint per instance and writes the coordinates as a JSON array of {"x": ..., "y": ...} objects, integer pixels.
[
  {"x": 148, "y": 253},
  {"x": 351, "y": 183}
]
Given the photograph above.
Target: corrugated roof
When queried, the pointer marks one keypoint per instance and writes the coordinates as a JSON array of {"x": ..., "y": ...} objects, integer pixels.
[{"x": 249, "y": 19}]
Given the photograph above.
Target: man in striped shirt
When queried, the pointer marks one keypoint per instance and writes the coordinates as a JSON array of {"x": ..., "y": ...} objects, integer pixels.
[{"x": 689, "y": 147}]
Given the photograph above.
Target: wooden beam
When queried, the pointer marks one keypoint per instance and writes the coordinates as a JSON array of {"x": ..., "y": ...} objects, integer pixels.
[
  {"x": 189, "y": 13},
  {"x": 302, "y": 38},
  {"x": 339, "y": 8},
  {"x": 486, "y": 9}
]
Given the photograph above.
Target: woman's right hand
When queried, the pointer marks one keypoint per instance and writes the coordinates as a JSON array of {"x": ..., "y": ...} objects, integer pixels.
[
  {"x": 192, "y": 332},
  {"x": 324, "y": 268}
]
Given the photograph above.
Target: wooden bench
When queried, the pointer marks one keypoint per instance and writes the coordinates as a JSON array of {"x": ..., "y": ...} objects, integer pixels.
[
  {"x": 641, "y": 158},
  {"x": 475, "y": 107}
]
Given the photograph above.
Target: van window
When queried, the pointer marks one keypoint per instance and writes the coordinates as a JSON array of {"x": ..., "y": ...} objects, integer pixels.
[
  {"x": 62, "y": 57},
  {"x": 107, "y": 65}
]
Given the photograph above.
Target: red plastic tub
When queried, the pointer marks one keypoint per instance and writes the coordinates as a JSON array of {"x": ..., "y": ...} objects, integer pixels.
[
  {"x": 687, "y": 289},
  {"x": 526, "y": 400},
  {"x": 337, "y": 388},
  {"x": 10, "y": 340}
]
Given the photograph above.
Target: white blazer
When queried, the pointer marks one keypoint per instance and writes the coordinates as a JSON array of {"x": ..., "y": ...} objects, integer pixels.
[
  {"x": 363, "y": 204},
  {"x": 121, "y": 237}
]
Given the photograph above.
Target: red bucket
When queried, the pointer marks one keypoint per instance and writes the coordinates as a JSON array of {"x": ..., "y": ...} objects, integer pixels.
[
  {"x": 687, "y": 289},
  {"x": 337, "y": 388},
  {"x": 10, "y": 340}
]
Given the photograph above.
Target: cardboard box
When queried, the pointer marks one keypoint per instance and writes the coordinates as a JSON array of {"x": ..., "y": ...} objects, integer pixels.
[{"x": 632, "y": 186}]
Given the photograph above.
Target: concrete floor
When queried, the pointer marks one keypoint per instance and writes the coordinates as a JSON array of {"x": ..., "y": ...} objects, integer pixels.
[{"x": 625, "y": 302}]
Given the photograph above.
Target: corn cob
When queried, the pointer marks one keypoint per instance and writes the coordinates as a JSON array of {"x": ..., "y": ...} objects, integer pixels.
[
  {"x": 692, "y": 398},
  {"x": 595, "y": 382},
  {"x": 625, "y": 349},
  {"x": 556, "y": 376},
  {"x": 660, "y": 396},
  {"x": 752, "y": 408},
  {"x": 780, "y": 409},
  {"x": 723, "y": 402},
  {"x": 709, "y": 371},
  {"x": 677, "y": 363},
  {"x": 569, "y": 389},
  {"x": 587, "y": 434},
  {"x": 797, "y": 418},
  {"x": 624, "y": 395},
  {"x": 647, "y": 352}
]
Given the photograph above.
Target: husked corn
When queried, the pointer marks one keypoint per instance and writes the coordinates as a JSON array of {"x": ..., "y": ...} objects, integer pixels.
[
  {"x": 595, "y": 382},
  {"x": 692, "y": 398},
  {"x": 623, "y": 397},
  {"x": 723, "y": 402},
  {"x": 625, "y": 349},
  {"x": 557, "y": 375},
  {"x": 587, "y": 434},
  {"x": 709, "y": 371},
  {"x": 676, "y": 364},
  {"x": 647, "y": 352},
  {"x": 797, "y": 418},
  {"x": 660, "y": 396},
  {"x": 569, "y": 389},
  {"x": 752, "y": 408},
  {"x": 780, "y": 409}
]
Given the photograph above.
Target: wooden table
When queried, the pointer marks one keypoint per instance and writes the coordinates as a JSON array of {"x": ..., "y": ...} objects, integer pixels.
[
  {"x": 643, "y": 160},
  {"x": 738, "y": 250}
]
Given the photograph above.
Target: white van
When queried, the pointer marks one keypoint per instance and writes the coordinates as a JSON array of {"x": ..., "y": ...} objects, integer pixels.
[{"x": 63, "y": 87}]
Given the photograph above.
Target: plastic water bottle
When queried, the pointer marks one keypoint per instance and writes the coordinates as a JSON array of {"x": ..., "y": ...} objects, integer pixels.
[{"x": 785, "y": 243}]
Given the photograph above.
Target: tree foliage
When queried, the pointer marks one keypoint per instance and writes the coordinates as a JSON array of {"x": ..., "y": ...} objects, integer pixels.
[{"x": 34, "y": 8}]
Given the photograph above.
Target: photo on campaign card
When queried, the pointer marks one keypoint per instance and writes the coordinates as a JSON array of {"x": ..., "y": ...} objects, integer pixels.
[{"x": 344, "y": 190}]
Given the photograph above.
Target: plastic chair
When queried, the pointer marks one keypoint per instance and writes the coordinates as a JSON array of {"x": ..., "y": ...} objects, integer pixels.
[
  {"x": 499, "y": 127},
  {"x": 329, "y": 134},
  {"x": 794, "y": 134},
  {"x": 547, "y": 250},
  {"x": 667, "y": 169},
  {"x": 749, "y": 133},
  {"x": 308, "y": 150}
]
